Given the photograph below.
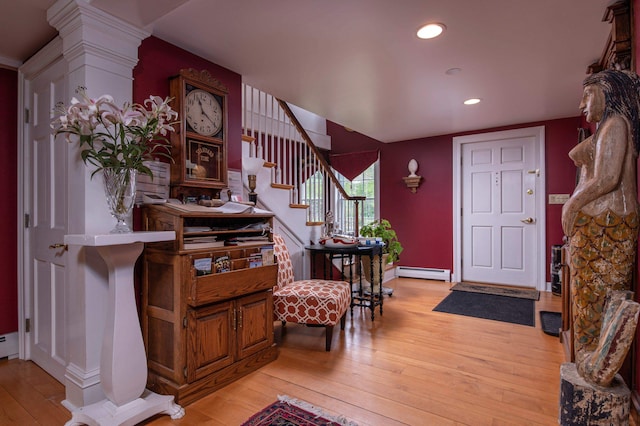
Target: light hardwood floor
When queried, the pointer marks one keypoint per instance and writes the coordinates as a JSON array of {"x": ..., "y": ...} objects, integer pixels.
[{"x": 411, "y": 366}]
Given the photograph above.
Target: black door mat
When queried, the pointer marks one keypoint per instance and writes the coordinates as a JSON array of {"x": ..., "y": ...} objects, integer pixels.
[{"x": 551, "y": 322}]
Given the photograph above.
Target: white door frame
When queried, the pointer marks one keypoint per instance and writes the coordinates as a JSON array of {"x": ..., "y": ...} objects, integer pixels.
[{"x": 538, "y": 133}]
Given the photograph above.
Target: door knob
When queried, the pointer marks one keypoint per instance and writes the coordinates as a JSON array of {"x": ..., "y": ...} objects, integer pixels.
[
  {"x": 527, "y": 220},
  {"x": 58, "y": 245}
]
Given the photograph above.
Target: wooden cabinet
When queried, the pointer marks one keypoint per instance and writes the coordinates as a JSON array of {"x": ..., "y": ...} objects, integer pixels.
[{"x": 204, "y": 330}]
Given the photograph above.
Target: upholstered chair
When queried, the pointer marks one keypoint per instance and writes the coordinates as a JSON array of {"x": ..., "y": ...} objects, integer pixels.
[{"x": 310, "y": 302}]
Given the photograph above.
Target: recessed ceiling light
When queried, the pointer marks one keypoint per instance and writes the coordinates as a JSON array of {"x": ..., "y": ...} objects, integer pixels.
[
  {"x": 430, "y": 30},
  {"x": 472, "y": 101},
  {"x": 453, "y": 71}
]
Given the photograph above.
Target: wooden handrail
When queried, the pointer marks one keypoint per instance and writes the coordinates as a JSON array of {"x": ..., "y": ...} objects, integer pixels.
[{"x": 317, "y": 153}]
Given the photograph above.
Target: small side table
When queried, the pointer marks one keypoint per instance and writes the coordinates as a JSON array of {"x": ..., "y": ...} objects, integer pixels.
[
  {"x": 123, "y": 360},
  {"x": 358, "y": 296}
]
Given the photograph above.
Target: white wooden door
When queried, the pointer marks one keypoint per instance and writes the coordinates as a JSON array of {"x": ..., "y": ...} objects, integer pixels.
[
  {"x": 499, "y": 211},
  {"x": 46, "y": 177}
]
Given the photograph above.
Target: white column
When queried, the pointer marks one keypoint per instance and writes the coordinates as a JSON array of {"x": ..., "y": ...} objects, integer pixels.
[{"x": 101, "y": 52}]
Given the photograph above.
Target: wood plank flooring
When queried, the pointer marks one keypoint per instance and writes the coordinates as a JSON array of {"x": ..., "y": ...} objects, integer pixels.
[{"x": 411, "y": 366}]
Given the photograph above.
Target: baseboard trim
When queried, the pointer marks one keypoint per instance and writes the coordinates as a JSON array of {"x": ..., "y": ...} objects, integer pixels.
[{"x": 9, "y": 345}]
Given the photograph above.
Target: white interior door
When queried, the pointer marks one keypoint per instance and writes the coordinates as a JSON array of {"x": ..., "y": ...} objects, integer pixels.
[
  {"x": 45, "y": 169},
  {"x": 500, "y": 190}
]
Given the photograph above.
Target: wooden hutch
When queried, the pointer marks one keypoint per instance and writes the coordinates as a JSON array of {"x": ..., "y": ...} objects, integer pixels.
[{"x": 207, "y": 305}]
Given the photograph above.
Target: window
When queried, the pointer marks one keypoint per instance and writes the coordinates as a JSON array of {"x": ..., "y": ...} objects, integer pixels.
[{"x": 366, "y": 184}]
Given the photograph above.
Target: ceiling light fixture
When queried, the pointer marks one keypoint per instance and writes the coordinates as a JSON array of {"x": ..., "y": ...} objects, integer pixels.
[
  {"x": 472, "y": 101},
  {"x": 430, "y": 30}
]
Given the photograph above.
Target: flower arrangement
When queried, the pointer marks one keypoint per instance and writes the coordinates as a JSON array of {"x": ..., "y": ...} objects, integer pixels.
[{"x": 117, "y": 138}]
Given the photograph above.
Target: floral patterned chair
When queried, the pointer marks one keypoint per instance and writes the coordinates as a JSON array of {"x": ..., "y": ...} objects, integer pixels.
[{"x": 310, "y": 302}]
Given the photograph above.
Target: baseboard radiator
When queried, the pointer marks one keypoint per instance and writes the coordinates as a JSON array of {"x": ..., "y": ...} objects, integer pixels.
[
  {"x": 9, "y": 345},
  {"x": 424, "y": 273}
]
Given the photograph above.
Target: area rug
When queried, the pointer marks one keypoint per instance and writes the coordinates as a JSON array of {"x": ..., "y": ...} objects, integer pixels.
[
  {"x": 523, "y": 293},
  {"x": 294, "y": 412},
  {"x": 551, "y": 322},
  {"x": 514, "y": 310}
]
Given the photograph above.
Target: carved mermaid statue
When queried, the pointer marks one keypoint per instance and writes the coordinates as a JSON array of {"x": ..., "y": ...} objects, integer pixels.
[{"x": 601, "y": 220}]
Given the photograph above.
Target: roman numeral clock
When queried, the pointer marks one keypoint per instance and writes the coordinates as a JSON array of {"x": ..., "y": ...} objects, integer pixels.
[{"x": 199, "y": 147}]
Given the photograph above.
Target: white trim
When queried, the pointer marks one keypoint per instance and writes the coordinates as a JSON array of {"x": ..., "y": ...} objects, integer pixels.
[
  {"x": 537, "y": 132},
  {"x": 9, "y": 62}
]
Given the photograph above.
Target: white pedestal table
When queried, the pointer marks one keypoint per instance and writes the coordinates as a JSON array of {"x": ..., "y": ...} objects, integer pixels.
[{"x": 123, "y": 360}]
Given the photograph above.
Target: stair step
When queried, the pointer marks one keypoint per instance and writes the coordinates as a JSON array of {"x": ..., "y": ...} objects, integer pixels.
[
  {"x": 281, "y": 186},
  {"x": 247, "y": 138},
  {"x": 314, "y": 223},
  {"x": 269, "y": 164},
  {"x": 299, "y": 206}
]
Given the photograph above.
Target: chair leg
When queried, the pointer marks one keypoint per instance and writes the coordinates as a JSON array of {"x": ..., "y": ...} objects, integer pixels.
[
  {"x": 343, "y": 321},
  {"x": 329, "y": 336}
]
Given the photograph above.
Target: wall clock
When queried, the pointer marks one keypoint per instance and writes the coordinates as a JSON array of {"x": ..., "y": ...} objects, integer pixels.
[
  {"x": 199, "y": 148},
  {"x": 203, "y": 112}
]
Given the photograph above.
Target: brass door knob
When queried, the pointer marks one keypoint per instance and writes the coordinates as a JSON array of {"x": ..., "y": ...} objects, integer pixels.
[{"x": 527, "y": 220}]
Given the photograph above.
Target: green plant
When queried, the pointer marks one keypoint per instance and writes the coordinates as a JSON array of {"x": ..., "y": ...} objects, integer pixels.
[{"x": 382, "y": 229}]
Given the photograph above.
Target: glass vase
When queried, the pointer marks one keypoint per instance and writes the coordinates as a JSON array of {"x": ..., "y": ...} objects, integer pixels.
[{"x": 120, "y": 189}]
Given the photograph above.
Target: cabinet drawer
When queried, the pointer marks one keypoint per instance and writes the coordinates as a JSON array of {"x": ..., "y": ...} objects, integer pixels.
[{"x": 226, "y": 285}]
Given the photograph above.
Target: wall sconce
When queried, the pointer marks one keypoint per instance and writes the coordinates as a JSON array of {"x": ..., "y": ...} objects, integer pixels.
[
  {"x": 413, "y": 180},
  {"x": 251, "y": 167}
]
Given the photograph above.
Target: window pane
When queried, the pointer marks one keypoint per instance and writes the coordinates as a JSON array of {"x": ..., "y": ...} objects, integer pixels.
[{"x": 363, "y": 185}]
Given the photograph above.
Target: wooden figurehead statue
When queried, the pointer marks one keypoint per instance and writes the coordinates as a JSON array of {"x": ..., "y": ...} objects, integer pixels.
[{"x": 601, "y": 220}]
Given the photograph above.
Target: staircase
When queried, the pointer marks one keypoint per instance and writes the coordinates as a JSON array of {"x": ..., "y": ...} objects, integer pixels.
[{"x": 295, "y": 181}]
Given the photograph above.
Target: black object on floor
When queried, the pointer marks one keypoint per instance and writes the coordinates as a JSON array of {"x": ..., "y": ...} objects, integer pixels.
[
  {"x": 551, "y": 322},
  {"x": 489, "y": 306}
]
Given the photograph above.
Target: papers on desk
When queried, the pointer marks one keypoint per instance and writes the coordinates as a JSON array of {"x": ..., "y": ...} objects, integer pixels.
[{"x": 230, "y": 207}]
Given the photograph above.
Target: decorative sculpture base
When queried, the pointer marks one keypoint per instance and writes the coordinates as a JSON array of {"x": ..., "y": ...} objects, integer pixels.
[
  {"x": 105, "y": 413},
  {"x": 582, "y": 403}
]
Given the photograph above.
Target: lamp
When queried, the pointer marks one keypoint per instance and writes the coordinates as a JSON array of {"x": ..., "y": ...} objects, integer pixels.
[
  {"x": 251, "y": 167},
  {"x": 413, "y": 180}
]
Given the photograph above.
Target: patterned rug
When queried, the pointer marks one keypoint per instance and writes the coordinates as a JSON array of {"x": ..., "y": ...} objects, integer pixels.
[
  {"x": 294, "y": 412},
  {"x": 521, "y": 293}
]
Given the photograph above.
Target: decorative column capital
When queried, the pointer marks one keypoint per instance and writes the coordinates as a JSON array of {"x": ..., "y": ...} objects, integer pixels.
[{"x": 92, "y": 37}]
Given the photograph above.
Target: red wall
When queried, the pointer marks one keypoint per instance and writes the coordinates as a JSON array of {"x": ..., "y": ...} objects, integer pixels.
[
  {"x": 9, "y": 204},
  {"x": 635, "y": 350},
  {"x": 159, "y": 60},
  {"x": 424, "y": 220}
]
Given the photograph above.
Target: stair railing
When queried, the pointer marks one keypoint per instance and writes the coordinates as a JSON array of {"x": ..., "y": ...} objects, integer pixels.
[{"x": 277, "y": 136}]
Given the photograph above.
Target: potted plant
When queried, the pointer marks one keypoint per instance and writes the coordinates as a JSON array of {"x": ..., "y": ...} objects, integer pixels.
[{"x": 382, "y": 230}]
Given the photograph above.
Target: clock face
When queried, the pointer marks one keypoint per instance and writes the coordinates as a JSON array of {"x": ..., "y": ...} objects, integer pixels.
[{"x": 203, "y": 112}]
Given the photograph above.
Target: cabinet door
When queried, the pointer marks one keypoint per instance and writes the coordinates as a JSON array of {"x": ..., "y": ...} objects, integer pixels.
[
  {"x": 210, "y": 339},
  {"x": 255, "y": 323}
]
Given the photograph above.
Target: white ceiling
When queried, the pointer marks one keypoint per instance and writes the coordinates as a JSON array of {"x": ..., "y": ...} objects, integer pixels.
[{"x": 359, "y": 63}]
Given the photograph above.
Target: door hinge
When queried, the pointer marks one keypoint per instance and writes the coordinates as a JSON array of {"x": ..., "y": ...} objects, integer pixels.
[
  {"x": 27, "y": 114},
  {"x": 27, "y": 325},
  {"x": 27, "y": 221}
]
